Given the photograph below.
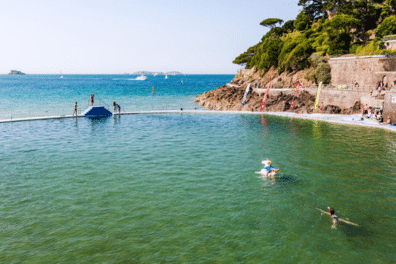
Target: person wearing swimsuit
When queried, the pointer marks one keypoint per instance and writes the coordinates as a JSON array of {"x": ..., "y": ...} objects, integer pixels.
[
  {"x": 335, "y": 218},
  {"x": 75, "y": 109}
]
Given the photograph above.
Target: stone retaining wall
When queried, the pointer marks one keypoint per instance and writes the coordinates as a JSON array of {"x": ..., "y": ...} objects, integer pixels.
[
  {"x": 340, "y": 98},
  {"x": 390, "y": 106},
  {"x": 366, "y": 71}
]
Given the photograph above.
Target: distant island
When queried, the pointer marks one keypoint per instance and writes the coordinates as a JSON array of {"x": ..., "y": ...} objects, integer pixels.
[
  {"x": 15, "y": 72},
  {"x": 158, "y": 73}
]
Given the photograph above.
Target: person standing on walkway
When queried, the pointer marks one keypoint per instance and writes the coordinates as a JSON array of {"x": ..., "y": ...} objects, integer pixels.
[
  {"x": 92, "y": 99},
  {"x": 116, "y": 107},
  {"x": 75, "y": 109}
]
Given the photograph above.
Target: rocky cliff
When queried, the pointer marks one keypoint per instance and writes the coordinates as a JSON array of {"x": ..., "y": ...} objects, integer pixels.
[{"x": 229, "y": 96}]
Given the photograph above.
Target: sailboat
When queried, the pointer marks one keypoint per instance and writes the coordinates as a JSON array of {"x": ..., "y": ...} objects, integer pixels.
[
  {"x": 61, "y": 75},
  {"x": 166, "y": 76}
]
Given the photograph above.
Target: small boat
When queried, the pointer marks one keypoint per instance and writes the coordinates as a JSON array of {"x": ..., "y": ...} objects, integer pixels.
[
  {"x": 61, "y": 75},
  {"x": 141, "y": 78},
  {"x": 181, "y": 83},
  {"x": 166, "y": 76}
]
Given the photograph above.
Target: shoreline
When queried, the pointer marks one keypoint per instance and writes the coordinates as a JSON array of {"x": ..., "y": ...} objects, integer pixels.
[{"x": 354, "y": 119}]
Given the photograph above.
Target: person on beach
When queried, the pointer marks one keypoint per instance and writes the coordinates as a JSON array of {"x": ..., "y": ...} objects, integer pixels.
[
  {"x": 335, "y": 218},
  {"x": 321, "y": 108},
  {"x": 92, "y": 99},
  {"x": 75, "y": 109}
]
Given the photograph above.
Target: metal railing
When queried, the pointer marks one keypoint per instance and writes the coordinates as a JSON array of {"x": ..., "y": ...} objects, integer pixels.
[
  {"x": 382, "y": 53},
  {"x": 17, "y": 114},
  {"x": 101, "y": 103},
  {"x": 350, "y": 87}
]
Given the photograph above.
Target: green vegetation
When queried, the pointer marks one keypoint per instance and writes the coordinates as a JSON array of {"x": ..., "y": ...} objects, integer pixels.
[
  {"x": 320, "y": 69},
  {"x": 323, "y": 28}
]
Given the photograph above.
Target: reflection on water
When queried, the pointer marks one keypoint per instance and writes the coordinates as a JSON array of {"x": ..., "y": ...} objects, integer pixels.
[{"x": 97, "y": 124}]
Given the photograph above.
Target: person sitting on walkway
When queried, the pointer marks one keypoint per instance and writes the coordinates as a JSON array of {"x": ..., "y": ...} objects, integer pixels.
[
  {"x": 380, "y": 118},
  {"x": 369, "y": 113},
  {"x": 365, "y": 110},
  {"x": 388, "y": 121},
  {"x": 335, "y": 218}
]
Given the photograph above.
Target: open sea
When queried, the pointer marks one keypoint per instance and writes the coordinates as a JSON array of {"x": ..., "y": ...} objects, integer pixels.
[{"x": 182, "y": 188}]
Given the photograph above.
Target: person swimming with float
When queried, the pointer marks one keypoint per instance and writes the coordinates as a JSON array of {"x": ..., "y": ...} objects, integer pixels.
[
  {"x": 335, "y": 218},
  {"x": 268, "y": 169}
]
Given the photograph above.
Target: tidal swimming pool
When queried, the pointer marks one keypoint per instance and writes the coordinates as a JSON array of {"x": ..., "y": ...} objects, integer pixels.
[{"x": 182, "y": 188}]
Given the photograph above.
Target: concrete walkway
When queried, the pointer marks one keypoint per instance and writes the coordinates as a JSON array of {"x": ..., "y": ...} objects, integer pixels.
[{"x": 333, "y": 118}]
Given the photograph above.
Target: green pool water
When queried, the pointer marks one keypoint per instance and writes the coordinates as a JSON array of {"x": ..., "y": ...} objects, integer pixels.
[{"x": 182, "y": 188}]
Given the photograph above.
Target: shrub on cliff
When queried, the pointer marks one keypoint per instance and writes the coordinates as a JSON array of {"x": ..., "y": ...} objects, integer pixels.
[
  {"x": 302, "y": 21},
  {"x": 372, "y": 48},
  {"x": 269, "y": 55},
  {"x": 294, "y": 54},
  {"x": 320, "y": 70},
  {"x": 323, "y": 73},
  {"x": 387, "y": 27}
]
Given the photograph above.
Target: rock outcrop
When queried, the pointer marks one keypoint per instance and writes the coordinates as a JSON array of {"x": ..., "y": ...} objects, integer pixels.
[
  {"x": 229, "y": 96},
  {"x": 15, "y": 72}
]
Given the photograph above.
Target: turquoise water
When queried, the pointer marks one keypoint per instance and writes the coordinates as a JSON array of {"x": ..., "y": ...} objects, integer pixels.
[
  {"x": 182, "y": 188},
  {"x": 50, "y": 95}
]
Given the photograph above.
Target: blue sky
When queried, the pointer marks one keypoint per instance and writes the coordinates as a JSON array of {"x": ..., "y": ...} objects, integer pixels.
[{"x": 117, "y": 36}]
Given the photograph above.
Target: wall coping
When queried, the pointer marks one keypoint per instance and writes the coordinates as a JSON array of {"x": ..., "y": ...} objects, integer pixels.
[{"x": 360, "y": 57}]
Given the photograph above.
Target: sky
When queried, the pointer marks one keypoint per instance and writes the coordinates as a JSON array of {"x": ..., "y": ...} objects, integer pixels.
[{"x": 120, "y": 36}]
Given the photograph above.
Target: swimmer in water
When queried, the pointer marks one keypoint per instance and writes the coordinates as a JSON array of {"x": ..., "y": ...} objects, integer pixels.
[{"x": 335, "y": 218}]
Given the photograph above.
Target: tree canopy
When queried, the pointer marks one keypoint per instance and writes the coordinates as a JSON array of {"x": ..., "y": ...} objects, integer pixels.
[
  {"x": 271, "y": 22},
  {"x": 324, "y": 27}
]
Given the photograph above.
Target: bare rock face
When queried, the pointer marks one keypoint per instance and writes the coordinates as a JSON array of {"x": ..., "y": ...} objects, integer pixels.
[{"x": 229, "y": 97}]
